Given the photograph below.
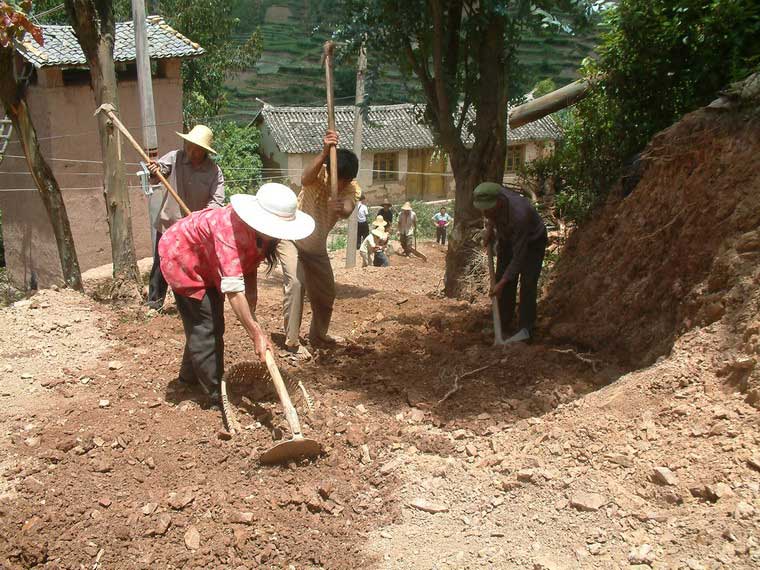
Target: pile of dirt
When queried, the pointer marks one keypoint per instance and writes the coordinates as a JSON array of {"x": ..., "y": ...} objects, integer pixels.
[{"x": 680, "y": 252}]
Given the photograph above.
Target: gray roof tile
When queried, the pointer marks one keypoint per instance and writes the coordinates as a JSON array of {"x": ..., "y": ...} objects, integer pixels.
[
  {"x": 61, "y": 47},
  {"x": 389, "y": 127}
]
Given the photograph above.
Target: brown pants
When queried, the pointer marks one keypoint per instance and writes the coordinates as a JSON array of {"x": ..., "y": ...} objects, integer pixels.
[{"x": 305, "y": 273}]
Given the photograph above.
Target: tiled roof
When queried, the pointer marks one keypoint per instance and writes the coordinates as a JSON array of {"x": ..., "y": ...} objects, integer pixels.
[
  {"x": 61, "y": 47},
  {"x": 389, "y": 127},
  {"x": 545, "y": 128}
]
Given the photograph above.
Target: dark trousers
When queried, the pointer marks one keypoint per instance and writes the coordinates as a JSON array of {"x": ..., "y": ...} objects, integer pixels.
[
  {"x": 528, "y": 279},
  {"x": 362, "y": 233},
  {"x": 157, "y": 285},
  {"x": 440, "y": 234},
  {"x": 380, "y": 260},
  {"x": 203, "y": 321}
]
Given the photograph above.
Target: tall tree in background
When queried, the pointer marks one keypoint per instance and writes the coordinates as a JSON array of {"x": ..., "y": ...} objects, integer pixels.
[
  {"x": 211, "y": 24},
  {"x": 461, "y": 51},
  {"x": 13, "y": 26},
  {"x": 94, "y": 25}
]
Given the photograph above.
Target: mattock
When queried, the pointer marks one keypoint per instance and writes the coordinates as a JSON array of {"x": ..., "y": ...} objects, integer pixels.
[{"x": 497, "y": 338}]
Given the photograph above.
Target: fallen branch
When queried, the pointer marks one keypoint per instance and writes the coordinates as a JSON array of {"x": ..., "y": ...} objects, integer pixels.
[
  {"x": 458, "y": 378},
  {"x": 580, "y": 357}
]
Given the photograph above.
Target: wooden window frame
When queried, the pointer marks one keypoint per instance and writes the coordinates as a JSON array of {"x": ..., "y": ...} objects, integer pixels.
[
  {"x": 387, "y": 164},
  {"x": 512, "y": 166}
]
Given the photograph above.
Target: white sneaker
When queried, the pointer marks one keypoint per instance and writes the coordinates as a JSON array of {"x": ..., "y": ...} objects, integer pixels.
[{"x": 520, "y": 336}]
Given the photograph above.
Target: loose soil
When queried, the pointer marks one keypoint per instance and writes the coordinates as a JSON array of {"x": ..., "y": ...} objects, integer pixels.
[{"x": 546, "y": 457}]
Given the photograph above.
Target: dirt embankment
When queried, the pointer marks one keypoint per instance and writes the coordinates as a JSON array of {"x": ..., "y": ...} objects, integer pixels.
[{"x": 679, "y": 253}]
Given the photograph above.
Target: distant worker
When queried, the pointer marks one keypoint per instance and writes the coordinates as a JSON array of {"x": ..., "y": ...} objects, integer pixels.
[
  {"x": 407, "y": 228},
  {"x": 215, "y": 254},
  {"x": 362, "y": 220},
  {"x": 198, "y": 181},
  {"x": 386, "y": 212},
  {"x": 372, "y": 246},
  {"x": 521, "y": 240},
  {"x": 305, "y": 263},
  {"x": 441, "y": 220}
]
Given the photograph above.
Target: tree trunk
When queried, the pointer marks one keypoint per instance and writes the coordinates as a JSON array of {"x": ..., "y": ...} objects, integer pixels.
[
  {"x": 17, "y": 110},
  {"x": 94, "y": 26},
  {"x": 483, "y": 162}
]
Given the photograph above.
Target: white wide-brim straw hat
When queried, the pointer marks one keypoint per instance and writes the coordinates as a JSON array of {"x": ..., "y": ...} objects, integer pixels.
[
  {"x": 200, "y": 135},
  {"x": 379, "y": 233},
  {"x": 407, "y": 206},
  {"x": 380, "y": 222},
  {"x": 273, "y": 211}
]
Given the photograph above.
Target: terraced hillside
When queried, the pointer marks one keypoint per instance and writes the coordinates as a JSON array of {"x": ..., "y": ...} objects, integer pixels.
[{"x": 289, "y": 71}]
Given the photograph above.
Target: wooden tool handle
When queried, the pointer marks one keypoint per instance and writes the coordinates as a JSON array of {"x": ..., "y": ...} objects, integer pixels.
[
  {"x": 282, "y": 392},
  {"x": 328, "y": 55},
  {"x": 144, "y": 156},
  {"x": 494, "y": 300}
]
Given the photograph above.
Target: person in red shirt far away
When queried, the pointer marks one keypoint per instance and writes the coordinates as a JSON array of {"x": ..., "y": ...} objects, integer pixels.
[{"x": 215, "y": 253}]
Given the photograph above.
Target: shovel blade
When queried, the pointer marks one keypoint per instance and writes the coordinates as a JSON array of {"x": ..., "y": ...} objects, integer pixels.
[{"x": 291, "y": 450}]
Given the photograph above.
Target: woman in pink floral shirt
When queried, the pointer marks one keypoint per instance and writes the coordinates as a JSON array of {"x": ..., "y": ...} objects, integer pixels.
[{"x": 215, "y": 253}]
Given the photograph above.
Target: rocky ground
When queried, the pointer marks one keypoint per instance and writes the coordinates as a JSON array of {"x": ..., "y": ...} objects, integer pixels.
[
  {"x": 440, "y": 451},
  {"x": 541, "y": 458}
]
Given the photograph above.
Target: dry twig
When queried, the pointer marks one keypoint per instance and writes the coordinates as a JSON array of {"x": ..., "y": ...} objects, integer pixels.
[
  {"x": 458, "y": 378},
  {"x": 592, "y": 362}
]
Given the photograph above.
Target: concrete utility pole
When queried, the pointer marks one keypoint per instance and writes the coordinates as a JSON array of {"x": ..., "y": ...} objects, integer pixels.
[
  {"x": 147, "y": 108},
  {"x": 353, "y": 229}
]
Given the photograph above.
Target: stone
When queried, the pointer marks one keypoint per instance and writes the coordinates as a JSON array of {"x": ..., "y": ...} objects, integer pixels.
[
  {"x": 366, "y": 457},
  {"x": 361, "y": 409},
  {"x": 391, "y": 466},
  {"x": 416, "y": 415},
  {"x": 149, "y": 508},
  {"x": 104, "y": 403},
  {"x": 644, "y": 554},
  {"x": 664, "y": 476},
  {"x": 179, "y": 501},
  {"x": 224, "y": 435},
  {"x": 242, "y": 518},
  {"x": 355, "y": 436},
  {"x": 102, "y": 465},
  {"x": 428, "y": 506},
  {"x": 754, "y": 462},
  {"x": 471, "y": 450},
  {"x": 743, "y": 510},
  {"x": 162, "y": 524},
  {"x": 115, "y": 365},
  {"x": 587, "y": 501},
  {"x": 192, "y": 538},
  {"x": 27, "y": 376},
  {"x": 525, "y": 475},
  {"x": 718, "y": 491},
  {"x": 104, "y": 502}
]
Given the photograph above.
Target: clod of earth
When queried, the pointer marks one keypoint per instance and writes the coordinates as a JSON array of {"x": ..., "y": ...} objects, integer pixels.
[
  {"x": 428, "y": 506},
  {"x": 192, "y": 538},
  {"x": 587, "y": 501}
]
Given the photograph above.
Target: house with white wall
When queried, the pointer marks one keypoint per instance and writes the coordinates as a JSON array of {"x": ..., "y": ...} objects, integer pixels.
[{"x": 399, "y": 158}]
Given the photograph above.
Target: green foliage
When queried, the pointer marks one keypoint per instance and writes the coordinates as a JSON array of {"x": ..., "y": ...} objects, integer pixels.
[
  {"x": 211, "y": 24},
  {"x": 659, "y": 60},
  {"x": 238, "y": 156},
  {"x": 543, "y": 87}
]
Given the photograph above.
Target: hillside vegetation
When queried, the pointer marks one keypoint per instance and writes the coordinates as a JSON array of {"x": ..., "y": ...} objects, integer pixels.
[{"x": 289, "y": 71}]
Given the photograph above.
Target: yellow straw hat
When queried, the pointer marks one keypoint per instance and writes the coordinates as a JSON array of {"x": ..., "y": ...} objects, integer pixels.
[
  {"x": 407, "y": 206},
  {"x": 202, "y": 136},
  {"x": 379, "y": 222}
]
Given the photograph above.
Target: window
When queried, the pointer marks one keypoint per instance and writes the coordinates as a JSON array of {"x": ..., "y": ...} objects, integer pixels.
[
  {"x": 385, "y": 166},
  {"x": 515, "y": 158}
]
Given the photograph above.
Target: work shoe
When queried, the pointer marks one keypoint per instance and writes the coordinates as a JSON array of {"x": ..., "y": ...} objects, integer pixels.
[
  {"x": 298, "y": 352},
  {"x": 520, "y": 336}
]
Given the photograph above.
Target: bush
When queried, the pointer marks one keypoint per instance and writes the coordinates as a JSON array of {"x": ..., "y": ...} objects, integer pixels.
[
  {"x": 659, "y": 60},
  {"x": 238, "y": 157}
]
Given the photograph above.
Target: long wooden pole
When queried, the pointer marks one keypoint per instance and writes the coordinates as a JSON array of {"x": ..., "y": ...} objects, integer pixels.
[
  {"x": 329, "y": 49},
  {"x": 108, "y": 110},
  {"x": 353, "y": 229}
]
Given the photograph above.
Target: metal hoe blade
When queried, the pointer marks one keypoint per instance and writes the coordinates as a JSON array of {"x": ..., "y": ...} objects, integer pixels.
[{"x": 291, "y": 450}]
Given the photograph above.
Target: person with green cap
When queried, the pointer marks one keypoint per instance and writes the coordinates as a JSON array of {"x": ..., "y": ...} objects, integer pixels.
[{"x": 521, "y": 243}]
